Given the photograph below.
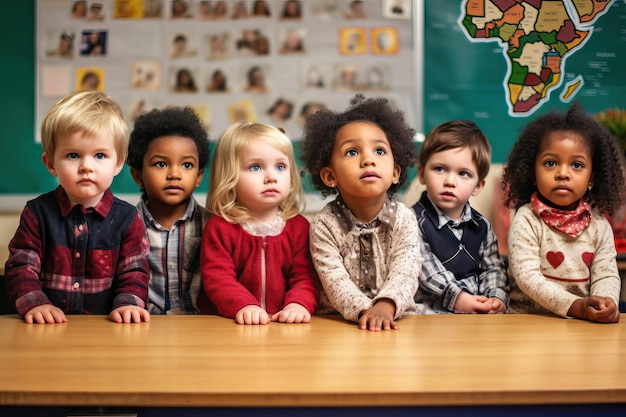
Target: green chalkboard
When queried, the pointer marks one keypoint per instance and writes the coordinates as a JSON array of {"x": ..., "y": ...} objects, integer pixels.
[
  {"x": 465, "y": 77},
  {"x": 20, "y": 167}
]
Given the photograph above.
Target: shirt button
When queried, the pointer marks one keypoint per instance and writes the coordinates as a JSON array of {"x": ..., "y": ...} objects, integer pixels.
[
  {"x": 80, "y": 227},
  {"x": 76, "y": 285},
  {"x": 367, "y": 251},
  {"x": 77, "y": 255}
]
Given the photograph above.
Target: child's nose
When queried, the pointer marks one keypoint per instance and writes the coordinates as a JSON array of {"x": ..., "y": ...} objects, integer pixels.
[
  {"x": 86, "y": 165},
  {"x": 448, "y": 179},
  {"x": 173, "y": 173},
  {"x": 367, "y": 160},
  {"x": 563, "y": 172}
]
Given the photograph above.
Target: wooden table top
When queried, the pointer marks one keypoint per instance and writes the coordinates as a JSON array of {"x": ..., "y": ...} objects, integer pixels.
[
  {"x": 211, "y": 361},
  {"x": 4, "y": 255}
]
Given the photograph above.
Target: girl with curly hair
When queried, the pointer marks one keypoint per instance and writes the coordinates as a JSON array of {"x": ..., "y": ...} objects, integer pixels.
[
  {"x": 364, "y": 243},
  {"x": 564, "y": 174}
]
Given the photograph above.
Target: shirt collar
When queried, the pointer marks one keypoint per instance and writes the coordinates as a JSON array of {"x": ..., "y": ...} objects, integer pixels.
[
  {"x": 386, "y": 215},
  {"x": 143, "y": 208},
  {"x": 443, "y": 220},
  {"x": 102, "y": 208}
]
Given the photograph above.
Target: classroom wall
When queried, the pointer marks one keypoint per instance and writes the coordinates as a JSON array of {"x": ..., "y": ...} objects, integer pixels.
[{"x": 17, "y": 105}]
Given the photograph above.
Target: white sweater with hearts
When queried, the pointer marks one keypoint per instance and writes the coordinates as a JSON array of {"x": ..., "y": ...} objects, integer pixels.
[{"x": 549, "y": 270}]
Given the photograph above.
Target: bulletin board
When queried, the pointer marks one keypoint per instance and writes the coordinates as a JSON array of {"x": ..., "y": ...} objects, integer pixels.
[{"x": 144, "y": 52}]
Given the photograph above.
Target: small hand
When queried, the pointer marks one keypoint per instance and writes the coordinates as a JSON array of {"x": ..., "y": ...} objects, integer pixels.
[
  {"x": 292, "y": 313},
  {"x": 602, "y": 310},
  {"x": 471, "y": 304},
  {"x": 379, "y": 317},
  {"x": 497, "y": 305},
  {"x": 45, "y": 313},
  {"x": 129, "y": 314},
  {"x": 252, "y": 314}
]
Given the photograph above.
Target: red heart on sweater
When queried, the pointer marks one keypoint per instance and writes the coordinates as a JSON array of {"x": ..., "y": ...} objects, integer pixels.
[
  {"x": 587, "y": 258},
  {"x": 555, "y": 258}
]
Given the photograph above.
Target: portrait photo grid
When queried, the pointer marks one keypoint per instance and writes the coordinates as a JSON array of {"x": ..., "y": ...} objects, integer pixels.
[{"x": 272, "y": 61}]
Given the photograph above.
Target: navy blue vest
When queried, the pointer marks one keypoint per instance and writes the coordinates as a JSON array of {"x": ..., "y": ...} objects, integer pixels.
[{"x": 460, "y": 257}]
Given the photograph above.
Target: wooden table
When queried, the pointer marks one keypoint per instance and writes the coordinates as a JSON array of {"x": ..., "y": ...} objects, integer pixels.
[
  {"x": 208, "y": 361},
  {"x": 4, "y": 255}
]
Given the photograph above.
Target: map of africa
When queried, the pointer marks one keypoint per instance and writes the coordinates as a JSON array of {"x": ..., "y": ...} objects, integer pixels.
[{"x": 537, "y": 37}]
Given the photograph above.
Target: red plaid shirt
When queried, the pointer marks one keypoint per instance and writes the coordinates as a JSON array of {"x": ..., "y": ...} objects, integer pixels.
[{"x": 82, "y": 260}]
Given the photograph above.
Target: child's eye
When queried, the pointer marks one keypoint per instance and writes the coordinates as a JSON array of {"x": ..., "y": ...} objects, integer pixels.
[
  {"x": 160, "y": 164},
  {"x": 380, "y": 151},
  {"x": 72, "y": 155},
  {"x": 550, "y": 164},
  {"x": 99, "y": 155},
  {"x": 577, "y": 165},
  {"x": 351, "y": 152},
  {"x": 187, "y": 165},
  {"x": 465, "y": 174},
  {"x": 281, "y": 167},
  {"x": 438, "y": 169},
  {"x": 254, "y": 168}
]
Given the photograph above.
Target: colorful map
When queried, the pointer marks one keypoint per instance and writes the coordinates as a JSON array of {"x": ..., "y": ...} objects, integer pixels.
[{"x": 537, "y": 37}]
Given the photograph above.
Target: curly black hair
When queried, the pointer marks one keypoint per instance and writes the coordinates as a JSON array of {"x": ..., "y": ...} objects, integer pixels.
[
  {"x": 321, "y": 127},
  {"x": 170, "y": 121},
  {"x": 609, "y": 172}
]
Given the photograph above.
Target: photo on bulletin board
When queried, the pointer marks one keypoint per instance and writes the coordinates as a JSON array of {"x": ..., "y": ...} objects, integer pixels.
[
  {"x": 93, "y": 43},
  {"x": 96, "y": 12},
  {"x": 314, "y": 76},
  {"x": 217, "y": 80},
  {"x": 183, "y": 80},
  {"x": 292, "y": 41},
  {"x": 180, "y": 9},
  {"x": 138, "y": 9},
  {"x": 347, "y": 77},
  {"x": 376, "y": 78},
  {"x": 352, "y": 41},
  {"x": 384, "y": 41},
  {"x": 253, "y": 42},
  {"x": 146, "y": 75},
  {"x": 255, "y": 79},
  {"x": 90, "y": 79},
  {"x": 356, "y": 10},
  {"x": 218, "y": 46},
  {"x": 281, "y": 109},
  {"x": 291, "y": 10},
  {"x": 183, "y": 44},
  {"x": 60, "y": 43},
  {"x": 242, "y": 110},
  {"x": 79, "y": 9},
  {"x": 397, "y": 9}
]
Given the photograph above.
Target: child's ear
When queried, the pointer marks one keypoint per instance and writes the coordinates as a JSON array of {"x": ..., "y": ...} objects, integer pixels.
[
  {"x": 137, "y": 177},
  {"x": 420, "y": 174},
  {"x": 396, "y": 174},
  {"x": 479, "y": 187},
  {"x": 118, "y": 167},
  {"x": 328, "y": 177},
  {"x": 199, "y": 179},
  {"x": 48, "y": 163}
]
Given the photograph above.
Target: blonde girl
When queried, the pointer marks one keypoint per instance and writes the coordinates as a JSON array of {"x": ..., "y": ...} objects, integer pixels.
[{"x": 255, "y": 260}]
